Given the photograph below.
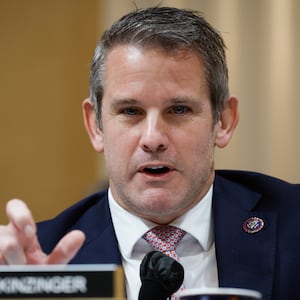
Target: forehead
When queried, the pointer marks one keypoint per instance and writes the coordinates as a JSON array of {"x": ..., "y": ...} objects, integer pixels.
[
  {"x": 176, "y": 54},
  {"x": 126, "y": 64}
]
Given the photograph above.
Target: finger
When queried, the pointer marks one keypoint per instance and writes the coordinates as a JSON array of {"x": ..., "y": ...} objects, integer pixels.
[
  {"x": 67, "y": 247},
  {"x": 2, "y": 260},
  {"x": 20, "y": 216},
  {"x": 18, "y": 234},
  {"x": 11, "y": 251}
]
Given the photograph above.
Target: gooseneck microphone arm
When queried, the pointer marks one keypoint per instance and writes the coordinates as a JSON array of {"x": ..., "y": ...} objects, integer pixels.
[{"x": 161, "y": 276}]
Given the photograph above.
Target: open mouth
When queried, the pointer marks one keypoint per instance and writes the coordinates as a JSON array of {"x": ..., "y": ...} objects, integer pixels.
[{"x": 157, "y": 170}]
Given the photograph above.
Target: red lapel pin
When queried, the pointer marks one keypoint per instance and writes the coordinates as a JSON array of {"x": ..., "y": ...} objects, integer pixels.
[{"x": 253, "y": 225}]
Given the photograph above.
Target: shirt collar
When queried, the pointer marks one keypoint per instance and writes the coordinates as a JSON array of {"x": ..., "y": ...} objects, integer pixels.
[
  {"x": 130, "y": 228},
  {"x": 198, "y": 221}
]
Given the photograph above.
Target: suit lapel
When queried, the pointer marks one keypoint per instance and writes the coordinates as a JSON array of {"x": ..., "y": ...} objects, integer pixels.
[
  {"x": 101, "y": 246},
  {"x": 244, "y": 260}
]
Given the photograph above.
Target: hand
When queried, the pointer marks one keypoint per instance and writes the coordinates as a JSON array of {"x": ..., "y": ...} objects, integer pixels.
[{"x": 19, "y": 243}]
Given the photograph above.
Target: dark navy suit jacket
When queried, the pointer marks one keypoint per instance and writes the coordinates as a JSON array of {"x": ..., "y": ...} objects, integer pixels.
[{"x": 267, "y": 261}]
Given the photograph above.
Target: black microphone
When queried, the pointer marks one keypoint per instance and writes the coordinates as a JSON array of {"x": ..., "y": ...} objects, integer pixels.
[{"x": 161, "y": 276}]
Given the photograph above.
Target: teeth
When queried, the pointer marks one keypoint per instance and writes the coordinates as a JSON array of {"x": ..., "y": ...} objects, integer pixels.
[{"x": 155, "y": 168}]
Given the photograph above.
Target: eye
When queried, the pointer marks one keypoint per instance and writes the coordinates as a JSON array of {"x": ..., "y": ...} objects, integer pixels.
[
  {"x": 180, "y": 109},
  {"x": 131, "y": 111}
]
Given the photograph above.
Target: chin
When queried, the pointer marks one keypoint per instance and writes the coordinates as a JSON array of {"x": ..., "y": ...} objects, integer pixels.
[
  {"x": 154, "y": 203},
  {"x": 164, "y": 216},
  {"x": 158, "y": 208}
]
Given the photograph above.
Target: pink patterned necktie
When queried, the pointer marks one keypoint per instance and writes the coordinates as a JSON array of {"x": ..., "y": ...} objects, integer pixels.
[{"x": 165, "y": 238}]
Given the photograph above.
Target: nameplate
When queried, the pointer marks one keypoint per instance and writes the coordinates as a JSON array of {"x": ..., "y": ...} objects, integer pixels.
[{"x": 57, "y": 281}]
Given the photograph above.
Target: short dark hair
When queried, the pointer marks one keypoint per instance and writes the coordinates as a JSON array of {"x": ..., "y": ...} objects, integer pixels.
[{"x": 170, "y": 29}]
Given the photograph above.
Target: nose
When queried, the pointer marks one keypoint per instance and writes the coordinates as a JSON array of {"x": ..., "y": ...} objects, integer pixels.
[{"x": 154, "y": 137}]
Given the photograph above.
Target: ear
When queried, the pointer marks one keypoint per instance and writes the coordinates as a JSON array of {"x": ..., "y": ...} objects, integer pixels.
[
  {"x": 91, "y": 125},
  {"x": 229, "y": 118}
]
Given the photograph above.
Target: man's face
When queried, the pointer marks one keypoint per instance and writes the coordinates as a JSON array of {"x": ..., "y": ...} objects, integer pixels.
[{"x": 158, "y": 131}]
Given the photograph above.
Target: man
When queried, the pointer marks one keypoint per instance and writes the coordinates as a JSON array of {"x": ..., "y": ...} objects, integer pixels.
[{"x": 158, "y": 106}]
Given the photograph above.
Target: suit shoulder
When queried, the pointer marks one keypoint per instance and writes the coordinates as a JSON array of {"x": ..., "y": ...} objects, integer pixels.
[
  {"x": 52, "y": 230},
  {"x": 81, "y": 207},
  {"x": 260, "y": 182}
]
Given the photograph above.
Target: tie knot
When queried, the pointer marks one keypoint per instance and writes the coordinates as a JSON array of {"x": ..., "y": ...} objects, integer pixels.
[{"x": 164, "y": 238}]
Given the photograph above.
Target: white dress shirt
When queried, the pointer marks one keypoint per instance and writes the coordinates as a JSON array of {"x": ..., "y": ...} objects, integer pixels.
[{"x": 196, "y": 250}]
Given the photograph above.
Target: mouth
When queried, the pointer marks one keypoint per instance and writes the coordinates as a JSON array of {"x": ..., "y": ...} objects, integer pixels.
[{"x": 155, "y": 170}]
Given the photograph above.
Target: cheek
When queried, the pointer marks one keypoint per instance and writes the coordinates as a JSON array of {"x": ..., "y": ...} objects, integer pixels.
[
  {"x": 196, "y": 142},
  {"x": 120, "y": 138},
  {"x": 199, "y": 155},
  {"x": 118, "y": 149}
]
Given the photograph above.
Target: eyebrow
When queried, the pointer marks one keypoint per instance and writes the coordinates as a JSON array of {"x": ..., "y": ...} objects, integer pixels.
[
  {"x": 116, "y": 103},
  {"x": 177, "y": 100},
  {"x": 183, "y": 100}
]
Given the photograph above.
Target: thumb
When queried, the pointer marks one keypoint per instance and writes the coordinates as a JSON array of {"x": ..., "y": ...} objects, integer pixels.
[{"x": 66, "y": 248}]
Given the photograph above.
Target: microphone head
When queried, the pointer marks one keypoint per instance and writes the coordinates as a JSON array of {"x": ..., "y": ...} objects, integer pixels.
[{"x": 161, "y": 276}]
